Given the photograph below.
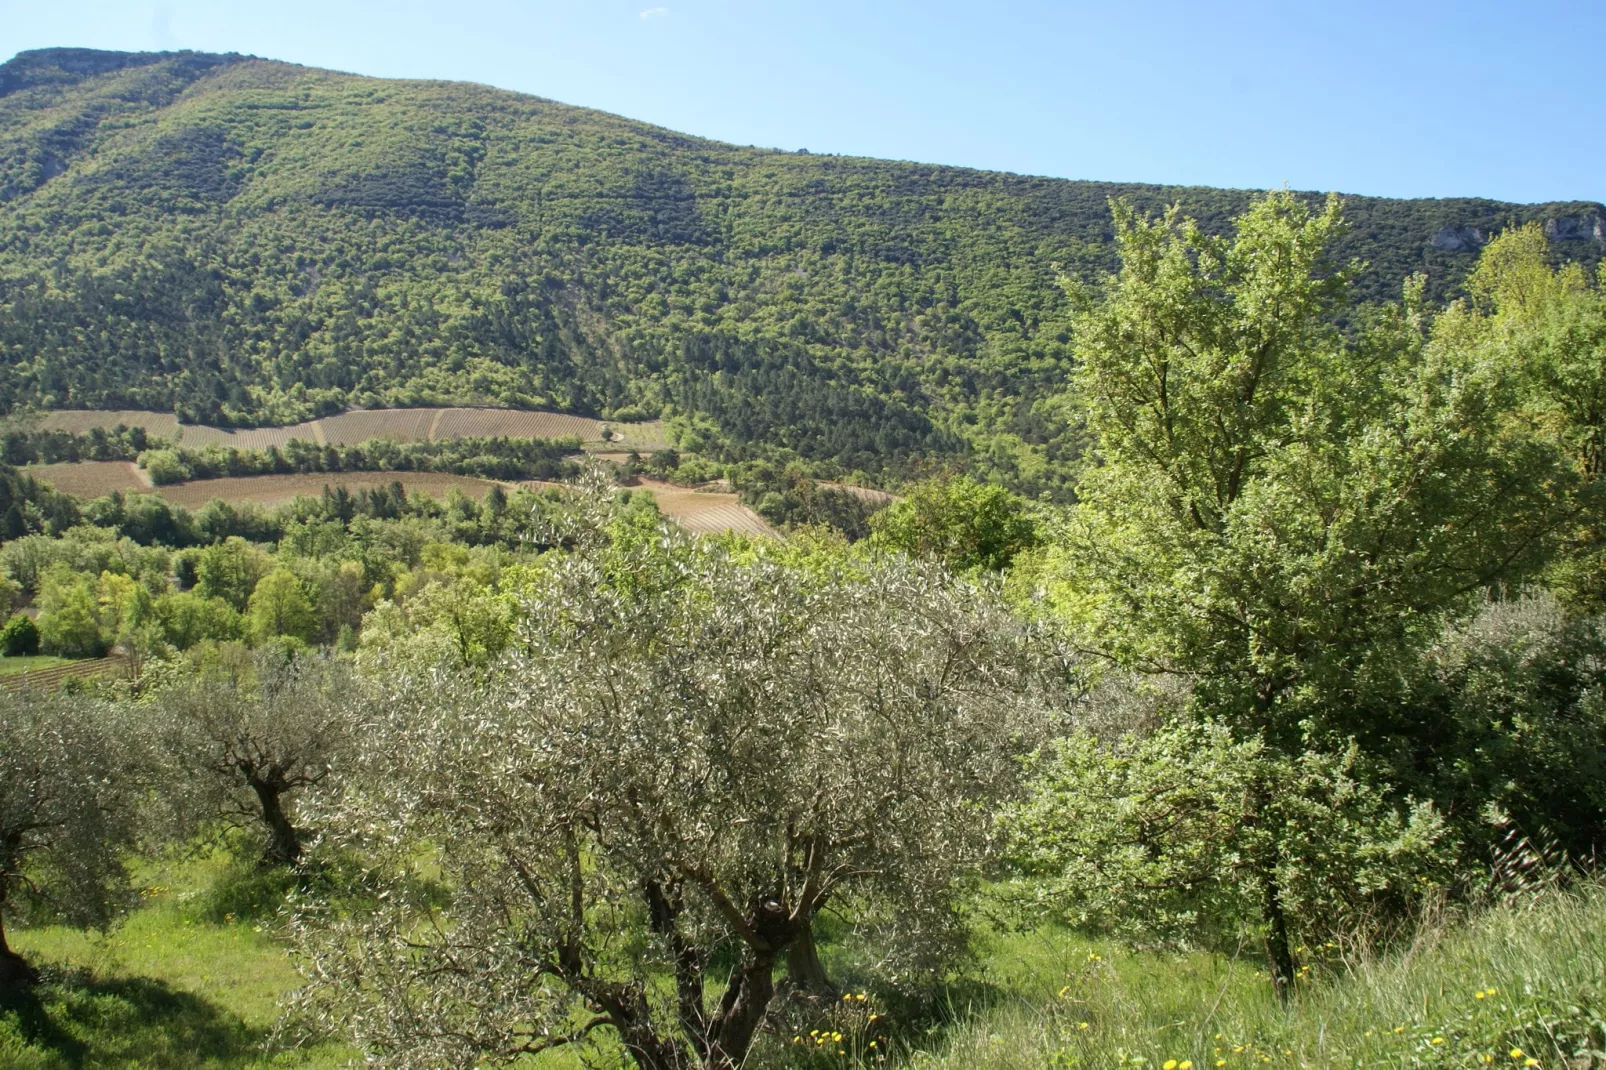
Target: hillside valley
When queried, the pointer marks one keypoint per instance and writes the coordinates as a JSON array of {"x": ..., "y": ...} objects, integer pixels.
[{"x": 246, "y": 242}]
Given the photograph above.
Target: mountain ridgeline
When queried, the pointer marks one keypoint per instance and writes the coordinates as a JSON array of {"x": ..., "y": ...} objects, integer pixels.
[{"x": 245, "y": 242}]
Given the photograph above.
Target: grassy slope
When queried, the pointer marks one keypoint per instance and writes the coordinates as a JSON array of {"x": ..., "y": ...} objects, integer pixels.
[
  {"x": 180, "y": 985},
  {"x": 173, "y": 987},
  {"x": 257, "y": 241},
  {"x": 1541, "y": 969},
  {"x": 26, "y": 663}
]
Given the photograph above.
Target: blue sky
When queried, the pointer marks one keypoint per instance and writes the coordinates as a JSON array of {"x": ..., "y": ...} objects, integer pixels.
[{"x": 1396, "y": 99}]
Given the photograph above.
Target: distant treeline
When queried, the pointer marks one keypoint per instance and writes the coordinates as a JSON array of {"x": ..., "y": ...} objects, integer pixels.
[
  {"x": 39, "y": 446},
  {"x": 167, "y": 463}
]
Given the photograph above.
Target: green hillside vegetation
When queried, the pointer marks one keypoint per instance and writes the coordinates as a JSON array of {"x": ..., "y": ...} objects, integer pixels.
[
  {"x": 1282, "y": 745},
  {"x": 244, "y": 241}
]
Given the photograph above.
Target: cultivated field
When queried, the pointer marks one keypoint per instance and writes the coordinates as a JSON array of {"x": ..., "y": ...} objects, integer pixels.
[
  {"x": 90, "y": 479},
  {"x": 864, "y": 494},
  {"x": 706, "y": 512},
  {"x": 79, "y": 421},
  {"x": 276, "y": 490},
  {"x": 400, "y": 425}
]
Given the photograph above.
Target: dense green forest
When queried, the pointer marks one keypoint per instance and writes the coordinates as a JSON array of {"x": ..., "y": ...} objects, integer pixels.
[{"x": 245, "y": 241}]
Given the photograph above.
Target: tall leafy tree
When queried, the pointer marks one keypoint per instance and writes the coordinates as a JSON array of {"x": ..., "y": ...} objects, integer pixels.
[{"x": 1283, "y": 512}]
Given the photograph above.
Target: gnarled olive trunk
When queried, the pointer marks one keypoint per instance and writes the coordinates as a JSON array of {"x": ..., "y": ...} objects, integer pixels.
[
  {"x": 284, "y": 843},
  {"x": 804, "y": 970},
  {"x": 741, "y": 1011},
  {"x": 14, "y": 969}
]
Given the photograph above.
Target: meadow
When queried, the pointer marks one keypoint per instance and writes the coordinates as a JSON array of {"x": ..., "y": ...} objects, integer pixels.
[{"x": 195, "y": 977}]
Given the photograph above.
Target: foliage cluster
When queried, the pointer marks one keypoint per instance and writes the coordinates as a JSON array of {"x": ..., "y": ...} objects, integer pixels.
[{"x": 487, "y": 458}]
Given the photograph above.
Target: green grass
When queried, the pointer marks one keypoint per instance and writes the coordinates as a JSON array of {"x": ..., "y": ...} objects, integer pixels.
[
  {"x": 29, "y": 663},
  {"x": 170, "y": 988},
  {"x": 1056, "y": 1000},
  {"x": 186, "y": 982}
]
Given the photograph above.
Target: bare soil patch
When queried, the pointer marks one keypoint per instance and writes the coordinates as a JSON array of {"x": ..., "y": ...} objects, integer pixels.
[
  {"x": 88, "y": 479},
  {"x": 360, "y": 425},
  {"x": 79, "y": 421},
  {"x": 705, "y": 512},
  {"x": 276, "y": 490}
]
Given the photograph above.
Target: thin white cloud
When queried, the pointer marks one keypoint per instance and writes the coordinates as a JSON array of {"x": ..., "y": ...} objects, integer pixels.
[{"x": 655, "y": 13}]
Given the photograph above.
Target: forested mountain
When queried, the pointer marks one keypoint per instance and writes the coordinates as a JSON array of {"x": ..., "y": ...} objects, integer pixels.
[{"x": 247, "y": 241}]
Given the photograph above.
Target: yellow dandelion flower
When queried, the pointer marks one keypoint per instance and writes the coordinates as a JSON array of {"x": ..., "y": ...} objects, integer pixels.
[
  {"x": 1186, "y": 1064},
  {"x": 1436, "y": 1040},
  {"x": 1170, "y": 1064},
  {"x": 1082, "y": 1025},
  {"x": 1530, "y": 1062},
  {"x": 1516, "y": 1053}
]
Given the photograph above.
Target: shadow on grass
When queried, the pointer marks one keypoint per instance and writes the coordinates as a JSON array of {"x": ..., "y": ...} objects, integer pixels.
[{"x": 73, "y": 1020}]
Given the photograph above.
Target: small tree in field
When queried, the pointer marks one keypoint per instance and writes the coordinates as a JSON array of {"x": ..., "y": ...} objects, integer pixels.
[
  {"x": 66, "y": 813},
  {"x": 688, "y": 760},
  {"x": 247, "y": 733}
]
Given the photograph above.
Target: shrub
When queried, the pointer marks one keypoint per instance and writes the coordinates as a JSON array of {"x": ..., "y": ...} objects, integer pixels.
[
  {"x": 164, "y": 467},
  {"x": 19, "y": 637}
]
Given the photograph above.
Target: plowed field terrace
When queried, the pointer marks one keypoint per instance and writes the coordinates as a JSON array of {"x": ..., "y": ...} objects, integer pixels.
[
  {"x": 276, "y": 490},
  {"x": 705, "y": 512},
  {"x": 360, "y": 425}
]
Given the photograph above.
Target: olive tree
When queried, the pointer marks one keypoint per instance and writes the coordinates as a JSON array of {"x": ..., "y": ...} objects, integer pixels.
[
  {"x": 246, "y": 733},
  {"x": 687, "y": 758},
  {"x": 68, "y": 794}
]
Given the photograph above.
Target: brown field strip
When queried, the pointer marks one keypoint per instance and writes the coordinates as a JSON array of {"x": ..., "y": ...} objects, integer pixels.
[
  {"x": 276, "y": 490},
  {"x": 865, "y": 494},
  {"x": 79, "y": 421},
  {"x": 88, "y": 479},
  {"x": 199, "y": 436},
  {"x": 360, "y": 425},
  {"x": 397, "y": 425},
  {"x": 705, "y": 512},
  {"x": 511, "y": 423}
]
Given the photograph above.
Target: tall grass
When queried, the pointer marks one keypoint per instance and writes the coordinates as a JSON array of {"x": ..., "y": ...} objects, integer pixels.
[
  {"x": 194, "y": 978},
  {"x": 1519, "y": 985}
]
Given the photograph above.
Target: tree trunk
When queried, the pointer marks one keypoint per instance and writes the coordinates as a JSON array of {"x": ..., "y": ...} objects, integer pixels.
[
  {"x": 284, "y": 845},
  {"x": 663, "y": 912},
  {"x": 804, "y": 970},
  {"x": 1279, "y": 958},
  {"x": 746, "y": 1001},
  {"x": 14, "y": 970}
]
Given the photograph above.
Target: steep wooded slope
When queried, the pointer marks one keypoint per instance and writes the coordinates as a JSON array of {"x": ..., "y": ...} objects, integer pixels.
[{"x": 247, "y": 241}]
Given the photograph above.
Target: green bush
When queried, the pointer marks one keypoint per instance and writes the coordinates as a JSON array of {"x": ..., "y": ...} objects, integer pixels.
[
  {"x": 164, "y": 467},
  {"x": 19, "y": 637}
]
